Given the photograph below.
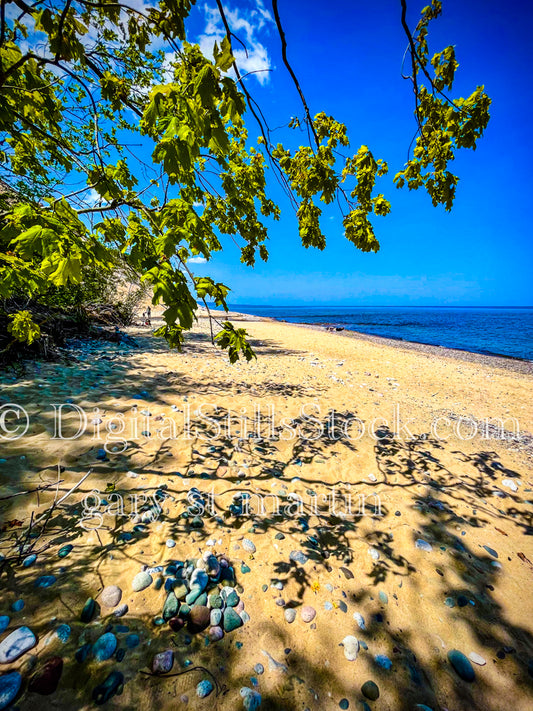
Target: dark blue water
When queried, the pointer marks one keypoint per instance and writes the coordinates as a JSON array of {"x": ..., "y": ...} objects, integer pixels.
[{"x": 500, "y": 331}]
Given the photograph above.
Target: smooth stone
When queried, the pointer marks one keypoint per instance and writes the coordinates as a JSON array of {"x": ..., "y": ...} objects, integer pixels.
[
  {"x": 193, "y": 595},
  {"x": 308, "y": 613},
  {"x": 105, "y": 646},
  {"x": 16, "y": 644},
  {"x": 248, "y": 545},
  {"x": 461, "y": 665},
  {"x": 65, "y": 550},
  {"x": 29, "y": 560},
  {"x": 214, "y": 601},
  {"x": 215, "y": 617},
  {"x": 63, "y": 633},
  {"x": 383, "y": 661},
  {"x": 141, "y": 581},
  {"x": 383, "y": 597},
  {"x": 477, "y": 659},
  {"x": 491, "y": 551},
  {"x": 245, "y": 617},
  {"x": 371, "y": 690},
  {"x": 344, "y": 704},
  {"x": 82, "y": 653},
  {"x": 245, "y": 569},
  {"x": 216, "y": 633},
  {"x": 121, "y": 610},
  {"x": 298, "y": 557},
  {"x": 423, "y": 545},
  {"x": 45, "y": 681},
  {"x": 232, "y": 599},
  {"x": 360, "y": 620},
  {"x": 180, "y": 590},
  {"x": 259, "y": 669},
  {"x": 162, "y": 662},
  {"x": 10, "y": 684},
  {"x": 290, "y": 614},
  {"x": 251, "y": 699},
  {"x": 111, "y": 596},
  {"x": 4, "y": 622},
  {"x": 232, "y": 620},
  {"x": 204, "y": 688},
  {"x": 351, "y": 647},
  {"x": 171, "y": 607},
  {"x": 18, "y": 605},
  {"x": 176, "y": 624},
  {"x": 510, "y": 484},
  {"x": 199, "y": 579},
  {"x": 170, "y": 543},
  {"x": 199, "y": 618},
  {"x": 45, "y": 581},
  {"x": 112, "y": 685},
  {"x": 132, "y": 641}
]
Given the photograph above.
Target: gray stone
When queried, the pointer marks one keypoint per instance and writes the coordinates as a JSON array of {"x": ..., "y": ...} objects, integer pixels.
[
  {"x": 16, "y": 644},
  {"x": 141, "y": 581},
  {"x": 111, "y": 596}
]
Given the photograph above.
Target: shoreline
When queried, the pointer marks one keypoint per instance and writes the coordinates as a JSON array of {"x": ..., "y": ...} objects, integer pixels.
[{"x": 495, "y": 360}]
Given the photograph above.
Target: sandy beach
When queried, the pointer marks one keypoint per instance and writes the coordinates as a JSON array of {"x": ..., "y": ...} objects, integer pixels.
[{"x": 381, "y": 491}]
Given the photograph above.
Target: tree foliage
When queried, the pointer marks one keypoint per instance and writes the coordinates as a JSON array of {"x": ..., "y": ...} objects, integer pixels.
[{"x": 85, "y": 82}]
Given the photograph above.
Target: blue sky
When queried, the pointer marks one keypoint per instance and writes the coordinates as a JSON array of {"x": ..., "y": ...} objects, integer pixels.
[{"x": 347, "y": 56}]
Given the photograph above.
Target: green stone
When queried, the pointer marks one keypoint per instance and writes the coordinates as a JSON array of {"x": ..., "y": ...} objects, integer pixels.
[
  {"x": 215, "y": 601},
  {"x": 195, "y": 593},
  {"x": 184, "y": 610},
  {"x": 231, "y": 620},
  {"x": 89, "y": 610},
  {"x": 232, "y": 599},
  {"x": 171, "y": 606},
  {"x": 370, "y": 690},
  {"x": 63, "y": 552},
  {"x": 202, "y": 600}
]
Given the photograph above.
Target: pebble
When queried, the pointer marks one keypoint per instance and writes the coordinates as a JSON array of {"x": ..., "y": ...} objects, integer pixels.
[
  {"x": 162, "y": 662},
  {"x": 141, "y": 581},
  {"x": 308, "y": 613},
  {"x": 259, "y": 668},
  {"x": 45, "y": 681},
  {"x": 121, "y": 610},
  {"x": 383, "y": 661},
  {"x": 298, "y": 557},
  {"x": 105, "y": 646},
  {"x": 199, "y": 618},
  {"x": 232, "y": 620},
  {"x": 16, "y": 644},
  {"x": 18, "y": 605},
  {"x": 290, "y": 614},
  {"x": 351, "y": 647},
  {"x": 171, "y": 606},
  {"x": 199, "y": 579},
  {"x": 371, "y": 690},
  {"x": 360, "y": 620},
  {"x": 204, "y": 688},
  {"x": 216, "y": 633},
  {"x": 10, "y": 684},
  {"x": 461, "y": 665},
  {"x": 423, "y": 545},
  {"x": 344, "y": 704},
  {"x": 112, "y": 685},
  {"x": 215, "y": 617},
  {"x": 111, "y": 596},
  {"x": 248, "y": 545},
  {"x": 251, "y": 699},
  {"x": 4, "y": 622},
  {"x": 132, "y": 641},
  {"x": 45, "y": 581},
  {"x": 477, "y": 659},
  {"x": 510, "y": 484},
  {"x": 29, "y": 560},
  {"x": 65, "y": 550}
]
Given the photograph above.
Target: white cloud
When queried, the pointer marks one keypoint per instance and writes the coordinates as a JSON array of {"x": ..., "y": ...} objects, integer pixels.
[
  {"x": 246, "y": 24},
  {"x": 197, "y": 260}
]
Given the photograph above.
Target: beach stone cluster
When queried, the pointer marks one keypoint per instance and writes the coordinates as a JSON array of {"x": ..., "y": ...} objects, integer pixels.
[{"x": 201, "y": 595}]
